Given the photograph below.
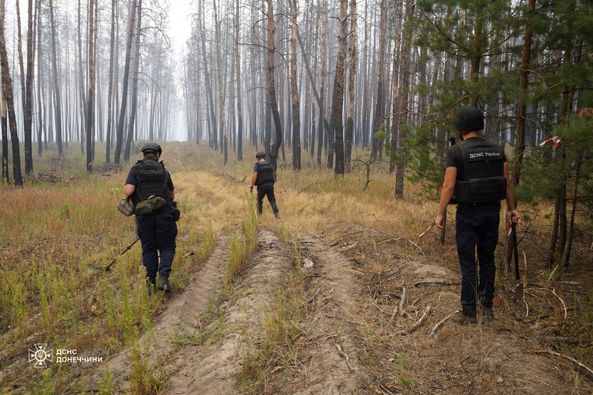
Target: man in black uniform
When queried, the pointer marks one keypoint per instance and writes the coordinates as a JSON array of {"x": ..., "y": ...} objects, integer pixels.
[
  {"x": 264, "y": 177},
  {"x": 157, "y": 231},
  {"x": 477, "y": 178}
]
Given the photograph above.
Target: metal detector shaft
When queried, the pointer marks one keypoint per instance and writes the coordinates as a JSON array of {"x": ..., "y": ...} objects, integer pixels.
[
  {"x": 128, "y": 248},
  {"x": 516, "y": 254}
]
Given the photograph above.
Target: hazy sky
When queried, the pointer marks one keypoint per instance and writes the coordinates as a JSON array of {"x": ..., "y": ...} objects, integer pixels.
[
  {"x": 179, "y": 30},
  {"x": 180, "y": 23}
]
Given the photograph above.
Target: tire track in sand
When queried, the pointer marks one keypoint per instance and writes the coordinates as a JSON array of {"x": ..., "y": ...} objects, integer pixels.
[
  {"x": 180, "y": 316},
  {"x": 213, "y": 368},
  {"x": 333, "y": 364}
]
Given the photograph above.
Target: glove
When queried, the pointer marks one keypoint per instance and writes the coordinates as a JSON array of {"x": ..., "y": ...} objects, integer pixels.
[
  {"x": 176, "y": 212},
  {"x": 513, "y": 217}
]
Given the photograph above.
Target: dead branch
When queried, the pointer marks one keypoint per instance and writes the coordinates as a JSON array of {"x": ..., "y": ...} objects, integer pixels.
[
  {"x": 339, "y": 239},
  {"x": 343, "y": 354},
  {"x": 420, "y": 321},
  {"x": 399, "y": 308},
  {"x": 231, "y": 177},
  {"x": 553, "y": 291},
  {"x": 439, "y": 324},
  {"x": 563, "y": 304},
  {"x": 584, "y": 368},
  {"x": 393, "y": 314},
  {"x": 437, "y": 282},
  {"x": 378, "y": 308},
  {"x": 313, "y": 184},
  {"x": 426, "y": 231},
  {"x": 402, "y": 301},
  {"x": 349, "y": 247}
]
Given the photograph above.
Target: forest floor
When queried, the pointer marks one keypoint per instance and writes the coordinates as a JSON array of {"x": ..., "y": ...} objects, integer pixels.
[{"x": 339, "y": 295}]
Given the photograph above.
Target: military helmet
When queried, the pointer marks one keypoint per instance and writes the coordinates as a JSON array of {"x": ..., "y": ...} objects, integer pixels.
[
  {"x": 260, "y": 154},
  {"x": 151, "y": 147},
  {"x": 469, "y": 119}
]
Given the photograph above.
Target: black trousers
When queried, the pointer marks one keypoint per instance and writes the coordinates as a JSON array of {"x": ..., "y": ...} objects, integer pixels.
[
  {"x": 477, "y": 236},
  {"x": 266, "y": 190},
  {"x": 157, "y": 234}
]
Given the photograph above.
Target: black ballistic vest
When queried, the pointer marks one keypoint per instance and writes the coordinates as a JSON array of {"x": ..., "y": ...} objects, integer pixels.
[
  {"x": 265, "y": 174},
  {"x": 483, "y": 173},
  {"x": 152, "y": 180}
]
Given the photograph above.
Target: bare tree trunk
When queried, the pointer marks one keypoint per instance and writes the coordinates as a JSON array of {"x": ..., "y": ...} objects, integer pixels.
[
  {"x": 134, "y": 103},
  {"x": 239, "y": 97},
  {"x": 475, "y": 60},
  {"x": 403, "y": 102},
  {"x": 9, "y": 98},
  {"x": 110, "y": 89},
  {"x": 56, "y": 81},
  {"x": 337, "y": 122},
  {"x": 351, "y": 87},
  {"x": 219, "y": 77},
  {"x": 90, "y": 118},
  {"x": 523, "y": 85},
  {"x": 294, "y": 89},
  {"x": 5, "y": 172},
  {"x": 208, "y": 82},
  {"x": 271, "y": 83},
  {"x": 27, "y": 83},
  {"x": 124, "y": 94},
  {"x": 380, "y": 105},
  {"x": 323, "y": 75},
  {"x": 40, "y": 91}
]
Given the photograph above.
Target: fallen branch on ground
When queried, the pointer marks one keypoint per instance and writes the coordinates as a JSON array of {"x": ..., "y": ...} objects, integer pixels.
[
  {"x": 584, "y": 368},
  {"x": 426, "y": 231},
  {"x": 439, "y": 324},
  {"x": 399, "y": 308},
  {"x": 437, "y": 282},
  {"x": 563, "y": 304},
  {"x": 343, "y": 354},
  {"x": 420, "y": 321},
  {"x": 402, "y": 301}
]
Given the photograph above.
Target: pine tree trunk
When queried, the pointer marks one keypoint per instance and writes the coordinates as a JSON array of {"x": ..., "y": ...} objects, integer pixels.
[
  {"x": 110, "y": 88},
  {"x": 90, "y": 118},
  {"x": 134, "y": 103},
  {"x": 238, "y": 97},
  {"x": 523, "y": 86},
  {"x": 9, "y": 98},
  {"x": 403, "y": 102},
  {"x": 271, "y": 83},
  {"x": 351, "y": 88},
  {"x": 56, "y": 81},
  {"x": 377, "y": 142},
  {"x": 219, "y": 77},
  {"x": 124, "y": 94},
  {"x": 294, "y": 90},
  {"x": 5, "y": 171},
  {"x": 40, "y": 91},
  {"x": 337, "y": 123}
]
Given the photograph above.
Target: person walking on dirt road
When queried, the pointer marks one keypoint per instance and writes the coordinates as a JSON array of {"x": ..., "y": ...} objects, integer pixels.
[
  {"x": 477, "y": 179},
  {"x": 147, "y": 180},
  {"x": 264, "y": 177}
]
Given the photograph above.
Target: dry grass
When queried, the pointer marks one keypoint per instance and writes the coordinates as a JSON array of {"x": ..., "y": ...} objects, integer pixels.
[{"x": 53, "y": 233}]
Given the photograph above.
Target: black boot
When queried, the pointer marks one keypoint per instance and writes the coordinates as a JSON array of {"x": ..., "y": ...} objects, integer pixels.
[{"x": 163, "y": 284}]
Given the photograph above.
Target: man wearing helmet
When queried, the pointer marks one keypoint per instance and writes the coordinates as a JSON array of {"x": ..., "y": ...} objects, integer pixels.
[
  {"x": 264, "y": 177},
  {"x": 477, "y": 179},
  {"x": 157, "y": 230}
]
